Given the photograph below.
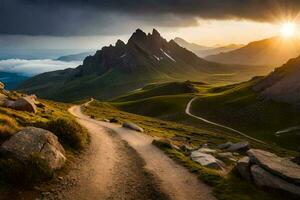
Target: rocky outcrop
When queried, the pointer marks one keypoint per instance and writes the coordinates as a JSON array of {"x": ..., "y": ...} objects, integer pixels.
[
  {"x": 263, "y": 178},
  {"x": 282, "y": 167},
  {"x": 207, "y": 160},
  {"x": 266, "y": 169},
  {"x": 133, "y": 126},
  {"x": 36, "y": 142},
  {"x": 23, "y": 104}
]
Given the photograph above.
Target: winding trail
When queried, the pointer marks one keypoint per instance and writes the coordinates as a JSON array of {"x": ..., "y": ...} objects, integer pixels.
[
  {"x": 104, "y": 169},
  {"x": 188, "y": 112}
]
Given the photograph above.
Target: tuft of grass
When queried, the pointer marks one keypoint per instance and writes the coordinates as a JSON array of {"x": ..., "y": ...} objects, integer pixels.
[{"x": 68, "y": 131}]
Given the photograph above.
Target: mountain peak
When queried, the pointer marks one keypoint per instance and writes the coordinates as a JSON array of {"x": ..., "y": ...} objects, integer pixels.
[
  {"x": 120, "y": 43},
  {"x": 155, "y": 33},
  {"x": 138, "y": 35}
]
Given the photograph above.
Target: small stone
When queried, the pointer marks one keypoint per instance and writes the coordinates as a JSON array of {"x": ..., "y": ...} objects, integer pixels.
[
  {"x": 239, "y": 147},
  {"x": 225, "y": 145}
]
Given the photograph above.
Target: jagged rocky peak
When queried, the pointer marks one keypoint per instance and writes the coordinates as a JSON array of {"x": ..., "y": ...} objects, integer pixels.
[
  {"x": 120, "y": 43},
  {"x": 138, "y": 35}
]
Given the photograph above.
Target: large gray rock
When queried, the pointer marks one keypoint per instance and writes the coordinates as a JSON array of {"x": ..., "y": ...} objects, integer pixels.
[
  {"x": 282, "y": 167},
  {"x": 238, "y": 147},
  {"x": 23, "y": 103},
  {"x": 263, "y": 178},
  {"x": 243, "y": 167},
  {"x": 38, "y": 142},
  {"x": 207, "y": 160},
  {"x": 133, "y": 126}
]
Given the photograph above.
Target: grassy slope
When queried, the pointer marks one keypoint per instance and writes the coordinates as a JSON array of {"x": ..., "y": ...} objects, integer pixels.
[
  {"x": 226, "y": 187},
  {"x": 234, "y": 105},
  {"x": 239, "y": 107},
  {"x": 55, "y": 118}
]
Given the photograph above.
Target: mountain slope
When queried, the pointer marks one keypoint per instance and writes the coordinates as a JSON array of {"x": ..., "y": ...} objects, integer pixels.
[
  {"x": 203, "y": 51},
  {"x": 118, "y": 69},
  {"x": 271, "y": 52},
  {"x": 190, "y": 46},
  {"x": 283, "y": 84}
]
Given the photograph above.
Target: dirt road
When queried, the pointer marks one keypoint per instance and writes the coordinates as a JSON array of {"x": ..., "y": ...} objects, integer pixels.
[
  {"x": 188, "y": 112},
  {"x": 134, "y": 171}
]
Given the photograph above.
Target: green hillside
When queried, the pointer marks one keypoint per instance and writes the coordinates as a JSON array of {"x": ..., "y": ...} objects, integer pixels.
[
  {"x": 236, "y": 106},
  {"x": 226, "y": 186}
]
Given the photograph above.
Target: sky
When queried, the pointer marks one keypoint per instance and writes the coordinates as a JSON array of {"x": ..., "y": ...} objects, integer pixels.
[{"x": 91, "y": 24}]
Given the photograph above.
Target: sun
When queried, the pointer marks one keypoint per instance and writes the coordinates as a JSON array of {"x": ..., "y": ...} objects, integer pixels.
[{"x": 288, "y": 29}]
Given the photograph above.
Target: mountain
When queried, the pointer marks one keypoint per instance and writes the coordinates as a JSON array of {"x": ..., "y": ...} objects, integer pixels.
[
  {"x": 11, "y": 80},
  {"x": 203, "y": 51},
  {"x": 283, "y": 84},
  {"x": 75, "y": 57},
  {"x": 268, "y": 52},
  {"x": 217, "y": 50},
  {"x": 190, "y": 46},
  {"x": 116, "y": 70}
]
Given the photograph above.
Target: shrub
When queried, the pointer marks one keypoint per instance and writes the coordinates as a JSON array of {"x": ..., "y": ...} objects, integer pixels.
[
  {"x": 8, "y": 127},
  {"x": 69, "y": 132}
]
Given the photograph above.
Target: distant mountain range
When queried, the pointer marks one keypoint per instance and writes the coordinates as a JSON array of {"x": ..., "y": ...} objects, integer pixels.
[
  {"x": 203, "y": 51},
  {"x": 116, "y": 70},
  {"x": 268, "y": 52}
]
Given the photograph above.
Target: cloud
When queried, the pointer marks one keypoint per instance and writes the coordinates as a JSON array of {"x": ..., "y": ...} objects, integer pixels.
[
  {"x": 94, "y": 17},
  {"x": 33, "y": 67}
]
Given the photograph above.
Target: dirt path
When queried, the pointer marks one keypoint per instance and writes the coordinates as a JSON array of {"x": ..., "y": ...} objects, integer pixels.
[
  {"x": 188, "y": 112},
  {"x": 174, "y": 179},
  {"x": 109, "y": 169}
]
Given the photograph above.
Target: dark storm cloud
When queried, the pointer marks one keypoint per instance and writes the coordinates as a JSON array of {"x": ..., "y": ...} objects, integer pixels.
[{"x": 88, "y": 17}]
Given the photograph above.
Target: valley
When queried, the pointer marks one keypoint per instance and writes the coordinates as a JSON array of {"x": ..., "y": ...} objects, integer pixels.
[{"x": 149, "y": 119}]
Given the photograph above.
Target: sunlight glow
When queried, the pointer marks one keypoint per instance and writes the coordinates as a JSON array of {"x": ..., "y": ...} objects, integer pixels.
[{"x": 288, "y": 29}]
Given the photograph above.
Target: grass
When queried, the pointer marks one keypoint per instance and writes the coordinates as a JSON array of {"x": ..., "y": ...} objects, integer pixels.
[
  {"x": 226, "y": 186},
  {"x": 53, "y": 117},
  {"x": 236, "y": 106},
  {"x": 239, "y": 107}
]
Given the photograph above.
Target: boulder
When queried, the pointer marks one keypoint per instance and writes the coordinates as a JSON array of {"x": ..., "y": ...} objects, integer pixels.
[
  {"x": 239, "y": 147},
  {"x": 23, "y": 103},
  {"x": 225, "y": 145},
  {"x": 276, "y": 165},
  {"x": 38, "y": 142},
  {"x": 243, "y": 167},
  {"x": 133, "y": 126},
  {"x": 207, "y": 160},
  {"x": 263, "y": 178},
  {"x": 226, "y": 156}
]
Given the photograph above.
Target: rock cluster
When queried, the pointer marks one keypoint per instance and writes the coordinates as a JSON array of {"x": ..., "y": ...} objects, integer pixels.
[
  {"x": 24, "y": 104},
  {"x": 266, "y": 169},
  {"x": 36, "y": 142}
]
